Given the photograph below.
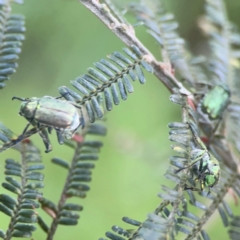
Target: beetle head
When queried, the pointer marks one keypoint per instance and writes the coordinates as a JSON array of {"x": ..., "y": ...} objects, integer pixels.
[
  {"x": 27, "y": 108},
  {"x": 22, "y": 108}
]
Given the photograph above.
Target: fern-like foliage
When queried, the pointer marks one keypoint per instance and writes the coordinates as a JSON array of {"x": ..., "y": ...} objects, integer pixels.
[
  {"x": 12, "y": 29},
  {"x": 212, "y": 109},
  {"x": 173, "y": 215},
  {"x": 235, "y": 228},
  {"x": 219, "y": 69},
  {"x": 101, "y": 85},
  {"x": 109, "y": 79},
  {"x": 162, "y": 26},
  {"x": 9, "y": 138},
  {"x": 79, "y": 174},
  {"x": 6, "y": 135},
  {"x": 21, "y": 210}
]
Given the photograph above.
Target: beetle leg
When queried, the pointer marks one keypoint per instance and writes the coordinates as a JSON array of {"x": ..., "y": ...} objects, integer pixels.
[
  {"x": 82, "y": 122},
  {"x": 44, "y": 135},
  {"x": 25, "y": 129},
  {"x": 180, "y": 169},
  {"x": 196, "y": 138},
  {"x": 50, "y": 129},
  {"x": 60, "y": 137},
  {"x": 20, "y": 138},
  {"x": 186, "y": 187}
]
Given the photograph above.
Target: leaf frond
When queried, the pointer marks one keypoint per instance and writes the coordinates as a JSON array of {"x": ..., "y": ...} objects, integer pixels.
[
  {"x": 12, "y": 29},
  {"x": 173, "y": 215},
  {"x": 162, "y": 26},
  {"x": 162, "y": 223},
  {"x": 21, "y": 210},
  {"x": 109, "y": 79},
  {"x": 79, "y": 171}
]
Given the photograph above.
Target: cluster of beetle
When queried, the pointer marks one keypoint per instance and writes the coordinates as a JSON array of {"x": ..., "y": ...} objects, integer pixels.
[
  {"x": 204, "y": 165},
  {"x": 65, "y": 118}
]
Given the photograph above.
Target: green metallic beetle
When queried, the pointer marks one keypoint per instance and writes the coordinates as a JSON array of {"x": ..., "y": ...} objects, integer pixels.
[
  {"x": 216, "y": 101},
  {"x": 52, "y": 113},
  {"x": 204, "y": 165}
]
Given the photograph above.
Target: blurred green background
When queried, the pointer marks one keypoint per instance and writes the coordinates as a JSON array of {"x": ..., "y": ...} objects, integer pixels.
[{"x": 63, "y": 39}]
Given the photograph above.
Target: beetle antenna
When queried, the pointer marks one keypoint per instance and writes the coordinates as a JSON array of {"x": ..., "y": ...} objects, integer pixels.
[
  {"x": 180, "y": 169},
  {"x": 18, "y": 98}
]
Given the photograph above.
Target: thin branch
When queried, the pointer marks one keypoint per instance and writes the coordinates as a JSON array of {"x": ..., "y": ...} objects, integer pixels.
[
  {"x": 28, "y": 134},
  {"x": 127, "y": 34},
  {"x": 64, "y": 197}
]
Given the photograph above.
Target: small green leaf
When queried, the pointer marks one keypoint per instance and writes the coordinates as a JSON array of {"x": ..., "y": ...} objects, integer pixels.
[
  {"x": 127, "y": 83},
  {"x": 6, "y": 210},
  {"x": 25, "y": 227},
  {"x": 17, "y": 233},
  {"x": 97, "y": 75},
  {"x": 67, "y": 221},
  {"x": 91, "y": 143},
  {"x": 108, "y": 100},
  {"x": 90, "y": 112},
  {"x": 11, "y": 188},
  {"x": 114, "y": 94},
  {"x": 96, "y": 107},
  {"x": 81, "y": 178},
  {"x": 6, "y": 198},
  {"x": 22, "y": 219},
  {"x": 84, "y": 156},
  {"x": 66, "y": 213},
  {"x": 2, "y": 234},
  {"x": 79, "y": 186},
  {"x": 14, "y": 173},
  {"x": 84, "y": 165},
  {"x": 76, "y": 193},
  {"x": 35, "y": 176},
  {"x": 60, "y": 162},
  {"x": 80, "y": 88},
  {"x": 35, "y": 167},
  {"x": 45, "y": 203},
  {"x": 27, "y": 213},
  {"x": 14, "y": 182},
  {"x": 140, "y": 74},
  {"x": 122, "y": 89},
  {"x": 147, "y": 66},
  {"x": 43, "y": 225},
  {"x": 34, "y": 185},
  {"x": 72, "y": 207}
]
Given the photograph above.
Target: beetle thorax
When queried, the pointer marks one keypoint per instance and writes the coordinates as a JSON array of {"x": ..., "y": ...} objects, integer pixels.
[{"x": 28, "y": 108}]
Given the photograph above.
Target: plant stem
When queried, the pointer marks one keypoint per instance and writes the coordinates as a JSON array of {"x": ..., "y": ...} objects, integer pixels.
[{"x": 126, "y": 33}]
